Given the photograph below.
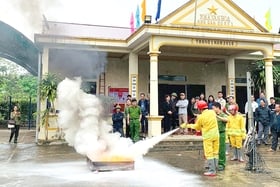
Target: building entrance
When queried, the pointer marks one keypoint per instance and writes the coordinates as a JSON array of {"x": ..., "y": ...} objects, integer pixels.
[{"x": 164, "y": 89}]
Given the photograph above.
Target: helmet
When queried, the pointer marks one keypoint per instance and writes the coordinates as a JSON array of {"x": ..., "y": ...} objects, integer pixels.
[
  {"x": 202, "y": 105},
  {"x": 232, "y": 107}
]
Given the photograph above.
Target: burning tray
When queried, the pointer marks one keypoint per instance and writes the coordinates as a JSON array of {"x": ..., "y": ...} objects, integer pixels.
[{"x": 110, "y": 165}]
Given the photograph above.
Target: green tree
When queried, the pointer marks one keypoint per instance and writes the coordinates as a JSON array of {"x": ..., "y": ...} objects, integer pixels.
[
  {"x": 258, "y": 75},
  {"x": 28, "y": 84}
]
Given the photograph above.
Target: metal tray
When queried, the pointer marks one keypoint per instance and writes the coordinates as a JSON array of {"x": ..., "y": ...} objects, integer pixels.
[{"x": 110, "y": 165}]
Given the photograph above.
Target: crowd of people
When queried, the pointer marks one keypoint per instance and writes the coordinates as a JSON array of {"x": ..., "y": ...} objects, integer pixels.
[
  {"x": 222, "y": 126},
  {"x": 135, "y": 117},
  {"x": 232, "y": 129}
]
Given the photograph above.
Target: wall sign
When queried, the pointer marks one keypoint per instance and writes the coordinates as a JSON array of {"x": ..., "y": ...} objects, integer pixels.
[
  {"x": 231, "y": 87},
  {"x": 134, "y": 85}
]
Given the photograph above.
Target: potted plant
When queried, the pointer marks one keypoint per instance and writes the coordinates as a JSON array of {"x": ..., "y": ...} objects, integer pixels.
[{"x": 48, "y": 88}]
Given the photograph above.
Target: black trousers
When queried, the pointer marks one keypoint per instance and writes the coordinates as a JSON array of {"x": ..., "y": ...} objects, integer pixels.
[
  {"x": 14, "y": 132},
  {"x": 275, "y": 136},
  {"x": 166, "y": 123}
]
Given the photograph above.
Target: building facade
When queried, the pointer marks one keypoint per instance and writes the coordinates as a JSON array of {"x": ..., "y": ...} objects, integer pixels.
[{"x": 202, "y": 47}]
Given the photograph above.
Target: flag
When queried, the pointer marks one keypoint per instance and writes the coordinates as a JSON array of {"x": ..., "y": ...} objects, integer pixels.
[
  {"x": 143, "y": 13},
  {"x": 268, "y": 24},
  {"x": 132, "y": 29},
  {"x": 158, "y": 10},
  {"x": 137, "y": 16}
]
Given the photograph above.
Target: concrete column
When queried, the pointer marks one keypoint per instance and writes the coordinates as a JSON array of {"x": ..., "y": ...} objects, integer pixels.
[
  {"x": 154, "y": 83},
  {"x": 268, "y": 78},
  {"x": 45, "y": 70},
  {"x": 231, "y": 76},
  {"x": 154, "y": 128},
  {"x": 133, "y": 74},
  {"x": 45, "y": 61}
]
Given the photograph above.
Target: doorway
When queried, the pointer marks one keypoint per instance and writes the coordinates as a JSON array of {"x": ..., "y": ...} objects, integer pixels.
[
  {"x": 241, "y": 97},
  {"x": 164, "y": 89}
]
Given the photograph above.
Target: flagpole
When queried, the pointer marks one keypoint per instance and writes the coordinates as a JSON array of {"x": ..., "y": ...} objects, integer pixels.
[{"x": 195, "y": 7}]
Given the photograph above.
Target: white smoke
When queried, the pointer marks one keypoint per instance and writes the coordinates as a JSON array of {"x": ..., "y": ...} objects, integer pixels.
[{"x": 80, "y": 119}]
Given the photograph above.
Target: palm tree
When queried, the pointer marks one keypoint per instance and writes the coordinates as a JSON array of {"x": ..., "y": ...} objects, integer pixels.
[{"x": 258, "y": 75}]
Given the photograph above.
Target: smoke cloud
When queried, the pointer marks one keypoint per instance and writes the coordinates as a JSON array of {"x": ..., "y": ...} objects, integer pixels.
[
  {"x": 27, "y": 16},
  {"x": 80, "y": 118}
]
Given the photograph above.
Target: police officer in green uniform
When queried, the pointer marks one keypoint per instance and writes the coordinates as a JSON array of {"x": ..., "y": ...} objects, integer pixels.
[
  {"x": 222, "y": 121},
  {"x": 134, "y": 117}
]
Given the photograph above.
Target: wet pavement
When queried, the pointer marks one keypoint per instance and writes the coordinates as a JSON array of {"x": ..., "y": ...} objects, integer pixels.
[{"x": 29, "y": 164}]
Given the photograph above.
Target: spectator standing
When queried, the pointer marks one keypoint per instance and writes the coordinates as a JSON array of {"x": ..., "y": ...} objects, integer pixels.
[
  {"x": 210, "y": 101},
  {"x": 220, "y": 99},
  {"x": 143, "y": 103},
  {"x": 262, "y": 96},
  {"x": 194, "y": 108},
  {"x": 190, "y": 113},
  {"x": 254, "y": 106},
  {"x": 272, "y": 104},
  {"x": 275, "y": 127},
  {"x": 15, "y": 115},
  {"x": 129, "y": 97},
  {"x": 202, "y": 97},
  {"x": 263, "y": 120},
  {"x": 127, "y": 105},
  {"x": 182, "y": 105},
  {"x": 134, "y": 118},
  {"x": 117, "y": 119},
  {"x": 167, "y": 112},
  {"x": 174, "y": 110}
]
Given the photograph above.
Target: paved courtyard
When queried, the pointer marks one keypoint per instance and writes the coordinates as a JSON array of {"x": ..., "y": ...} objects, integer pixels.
[{"x": 29, "y": 164}]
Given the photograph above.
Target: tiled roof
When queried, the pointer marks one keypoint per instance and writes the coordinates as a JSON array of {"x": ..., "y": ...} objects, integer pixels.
[{"x": 84, "y": 30}]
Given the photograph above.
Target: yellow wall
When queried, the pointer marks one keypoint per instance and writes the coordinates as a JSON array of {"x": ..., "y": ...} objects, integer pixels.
[{"x": 213, "y": 76}]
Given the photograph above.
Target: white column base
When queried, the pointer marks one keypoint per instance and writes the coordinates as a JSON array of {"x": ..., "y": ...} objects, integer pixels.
[{"x": 154, "y": 126}]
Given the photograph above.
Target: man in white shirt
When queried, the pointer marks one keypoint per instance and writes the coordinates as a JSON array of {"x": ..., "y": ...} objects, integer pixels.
[
  {"x": 220, "y": 99},
  {"x": 254, "y": 106},
  {"x": 182, "y": 105}
]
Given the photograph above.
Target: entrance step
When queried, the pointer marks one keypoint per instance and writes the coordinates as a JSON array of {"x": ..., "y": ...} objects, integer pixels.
[{"x": 179, "y": 143}]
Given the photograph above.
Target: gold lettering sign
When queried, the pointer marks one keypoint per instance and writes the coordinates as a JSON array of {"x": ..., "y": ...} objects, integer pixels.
[
  {"x": 214, "y": 19},
  {"x": 215, "y": 42}
]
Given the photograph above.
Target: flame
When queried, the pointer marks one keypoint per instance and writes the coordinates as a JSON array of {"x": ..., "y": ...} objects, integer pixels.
[{"x": 115, "y": 158}]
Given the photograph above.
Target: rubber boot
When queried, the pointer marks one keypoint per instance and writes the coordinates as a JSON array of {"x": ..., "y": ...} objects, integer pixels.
[
  {"x": 235, "y": 155},
  {"x": 216, "y": 162},
  {"x": 206, "y": 165},
  {"x": 212, "y": 168},
  {"x": 227, "y": 148},
  {"x": 239, "y": 155}
]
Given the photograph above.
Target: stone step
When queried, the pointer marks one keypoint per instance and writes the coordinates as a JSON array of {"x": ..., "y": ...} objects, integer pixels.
[{"x": 180, "y": 143}]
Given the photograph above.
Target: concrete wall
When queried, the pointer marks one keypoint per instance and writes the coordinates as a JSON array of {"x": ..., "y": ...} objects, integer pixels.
[
  {"x": 117, "y": 74},
  {"x": 213, "y": 76}
]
